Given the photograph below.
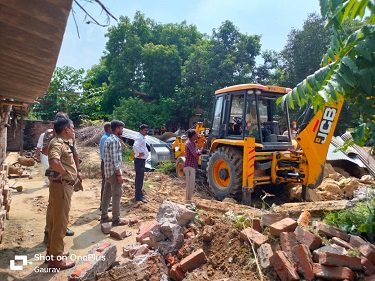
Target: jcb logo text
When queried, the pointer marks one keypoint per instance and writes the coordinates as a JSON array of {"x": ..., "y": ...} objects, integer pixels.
[{"x": 325, "y": 124}]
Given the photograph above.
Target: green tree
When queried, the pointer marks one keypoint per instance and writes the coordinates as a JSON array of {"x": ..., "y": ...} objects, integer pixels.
[
  {"x": 145, "y": 56},
  {"x": 348, "y": 65},
  {"x": 302, "y": 54},
  {"x": 62, "y": 95},
  {"x": 134, "y": 111},
  {"x": 226, "y": 58},
  {"x": 162, "y": 69},
  {"x": 71, "y": 92}
]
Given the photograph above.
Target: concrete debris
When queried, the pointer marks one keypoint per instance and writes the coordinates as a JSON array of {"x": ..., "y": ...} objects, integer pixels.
[
  {"x": 98, "y": 259},
  {"x": 150, "y": 266},
  {"x": 174, "y": 213}
]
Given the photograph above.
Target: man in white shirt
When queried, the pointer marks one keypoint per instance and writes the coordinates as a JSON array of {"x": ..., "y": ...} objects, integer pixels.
[
  {"x": 39, "y": 154},
  {"x": 140, "y": 156}
]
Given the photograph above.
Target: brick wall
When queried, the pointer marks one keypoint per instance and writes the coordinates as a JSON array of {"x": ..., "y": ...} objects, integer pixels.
[{"x": 31, "y": 132}]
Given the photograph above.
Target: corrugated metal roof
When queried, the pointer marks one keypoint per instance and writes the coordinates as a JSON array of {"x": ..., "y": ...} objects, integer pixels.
[
  {"x": 333, "y": 155},
  {"x": 130, "y": 134},
  {"x": 31, "y": 33}
]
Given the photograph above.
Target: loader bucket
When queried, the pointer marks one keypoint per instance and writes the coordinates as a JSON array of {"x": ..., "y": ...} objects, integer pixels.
[{"x": 160, "y": 152}]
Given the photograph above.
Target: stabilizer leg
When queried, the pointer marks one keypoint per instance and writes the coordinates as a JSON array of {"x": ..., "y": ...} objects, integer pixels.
[{"x": 246, "y": 196}]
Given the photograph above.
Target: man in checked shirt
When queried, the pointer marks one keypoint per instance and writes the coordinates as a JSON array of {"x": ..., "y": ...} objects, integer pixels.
[
  {"x": 113, "y": 175},
  {"x": 191, "y": 163}
]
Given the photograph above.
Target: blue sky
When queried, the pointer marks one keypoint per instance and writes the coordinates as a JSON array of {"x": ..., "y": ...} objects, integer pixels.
[{"x": 273, "y": 19}]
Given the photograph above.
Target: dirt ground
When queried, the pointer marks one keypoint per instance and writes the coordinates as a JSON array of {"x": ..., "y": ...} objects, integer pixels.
[{"x": 25, "y": 228}]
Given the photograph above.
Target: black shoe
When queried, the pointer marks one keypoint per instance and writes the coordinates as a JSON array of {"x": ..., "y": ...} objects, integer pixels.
[
  {"x": 109, "y": 210},
  {"x": 144, "y": 200},
  {"x": 45, "y": 240},
  {"x": 69, "y": 232}
]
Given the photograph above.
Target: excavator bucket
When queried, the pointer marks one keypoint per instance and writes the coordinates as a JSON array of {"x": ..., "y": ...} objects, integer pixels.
[{"x": 159, "y": 150}]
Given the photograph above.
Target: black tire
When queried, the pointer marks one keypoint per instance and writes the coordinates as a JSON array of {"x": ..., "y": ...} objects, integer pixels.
[
  {"x": 224, "y": 172},
  {"x": 179, "y": 167}
]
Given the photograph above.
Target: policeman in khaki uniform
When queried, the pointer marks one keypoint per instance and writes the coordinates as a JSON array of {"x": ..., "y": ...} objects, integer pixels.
[
  {"x": 49, "y": 134},
  {"x": 62, "y": 179}
]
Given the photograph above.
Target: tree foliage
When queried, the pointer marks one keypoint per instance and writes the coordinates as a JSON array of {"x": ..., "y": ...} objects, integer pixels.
[
  {"x": 302, "y": 54},
  {"x": 134, "y": 112},
  {"x": 348, "y": 65},
  {"x": 71, "y": 92},
  {"x": 175, "y": 62}
]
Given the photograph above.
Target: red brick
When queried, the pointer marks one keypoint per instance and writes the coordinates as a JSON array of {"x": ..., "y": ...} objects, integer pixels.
[
  {"x": 307, "y": 238},
  {"x": 255, "y": 224},
  {"x": 143, "y": 249},
  {"x": 340, "y": 242},
  {"x": 285, "y": 225},
  {"x": 145, "y": 232},
  {"x": 288, "y": 240},
  {"x": 176, "y": 272},
  {"x": 356, "y": 241},
  {"x": 106, "y": 228},
  {"x": 268, "y": 219},
  {"x": 119, "y": 233},
  {"x": 304, "y": 218},
  {"x": 367, "y": 267},
  {"x": 170, "y": 259},
  {"x": 283, "y": 267},
  {"x": 370, "y": 278},
  {"x": 189, "y": 234},
  {"x": 330, "y": 231},
  {"x": 368, "y": 252},
  {"x": 264, "y": 254},
  {"x": 150, "y": 243},
  {"x": 327, "y": 258},
  {"x": 333, "y": 272},
  {"x": 302, "y": 256},
  {"x": 135, "y": 250},
  {"x": 253, "y": 236},
  {"x": 207, "y": 233},
  {"x": 193, "y": 260}
]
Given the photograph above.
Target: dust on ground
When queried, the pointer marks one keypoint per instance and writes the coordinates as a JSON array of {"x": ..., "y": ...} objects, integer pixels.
[
  {"x": 227, "y": 255},
  {"x": 24, "y": 231}
]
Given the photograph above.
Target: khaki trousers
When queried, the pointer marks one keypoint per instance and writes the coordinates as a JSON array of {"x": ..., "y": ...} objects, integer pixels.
[
  {"x": 60, "y": 195},
  {"x": 48, "y": 217},
  {"x": 112, "y": 189},
  {"x": 190, "y": 183}
]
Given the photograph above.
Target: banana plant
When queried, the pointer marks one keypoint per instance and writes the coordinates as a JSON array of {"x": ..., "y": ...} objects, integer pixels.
[{"x": 347, "y": 68}]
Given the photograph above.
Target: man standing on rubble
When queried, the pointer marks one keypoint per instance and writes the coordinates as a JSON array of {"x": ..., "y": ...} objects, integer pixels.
[
  {"x": 140, "y": 156},
  {"x": 108, "y": 131},
  {"x": 113, "y": 175},
  {"x": 191, "y": 163},
  {"x": 63, "y": 174}
]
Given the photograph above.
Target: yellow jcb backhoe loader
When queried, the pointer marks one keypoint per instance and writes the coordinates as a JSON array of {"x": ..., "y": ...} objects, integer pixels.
[{"x": 251, "y": 143}]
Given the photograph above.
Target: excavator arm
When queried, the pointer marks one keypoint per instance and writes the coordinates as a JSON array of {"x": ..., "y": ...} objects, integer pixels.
[{"x": 314, "y": 139}]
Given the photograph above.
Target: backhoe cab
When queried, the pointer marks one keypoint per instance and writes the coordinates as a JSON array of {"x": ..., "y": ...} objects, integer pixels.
[{"x": 251, "y": 142}]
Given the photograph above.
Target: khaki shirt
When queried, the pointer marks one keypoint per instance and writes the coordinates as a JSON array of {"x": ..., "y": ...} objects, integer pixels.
[
  {"x": 48, "y": 136},
  {"x": 60, "y": 149}
]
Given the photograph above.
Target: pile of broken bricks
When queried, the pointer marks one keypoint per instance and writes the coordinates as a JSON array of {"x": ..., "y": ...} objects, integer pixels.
[
  {"x": 303, "y": 254},
  {"x": 301, "y": 249}
]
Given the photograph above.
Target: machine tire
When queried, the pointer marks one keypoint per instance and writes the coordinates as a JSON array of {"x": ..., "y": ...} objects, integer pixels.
[
  {"x": 224, "y": 172},
  {"x": 180, "y": 167}
]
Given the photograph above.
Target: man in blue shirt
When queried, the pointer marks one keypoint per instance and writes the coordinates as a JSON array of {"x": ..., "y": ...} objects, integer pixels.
[{"x": 108, "y": 131}]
